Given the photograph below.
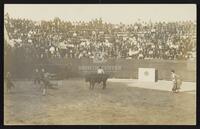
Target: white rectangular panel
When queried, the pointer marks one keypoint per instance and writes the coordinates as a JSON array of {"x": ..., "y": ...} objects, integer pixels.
[{"x": 147, "y": 74}]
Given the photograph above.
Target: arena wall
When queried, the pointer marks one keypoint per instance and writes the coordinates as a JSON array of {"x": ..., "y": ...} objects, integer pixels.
[
  {"x": 117, "y": 68},
  {"x": 122, "y": 68}
]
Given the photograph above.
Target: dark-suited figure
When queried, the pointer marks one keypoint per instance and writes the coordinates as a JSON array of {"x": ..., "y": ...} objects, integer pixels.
[{"x": 8, "y": 82}]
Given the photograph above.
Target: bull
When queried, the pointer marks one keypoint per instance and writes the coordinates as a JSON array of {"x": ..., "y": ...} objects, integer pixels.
[{"x": 95, "y": 78}]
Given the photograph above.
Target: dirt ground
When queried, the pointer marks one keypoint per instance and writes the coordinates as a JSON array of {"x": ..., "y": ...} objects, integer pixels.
[{"x": 73, "y": 103}]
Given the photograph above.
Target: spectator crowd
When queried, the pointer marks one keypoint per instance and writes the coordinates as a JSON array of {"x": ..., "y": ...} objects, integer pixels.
[{"x": 65, "y": 39}]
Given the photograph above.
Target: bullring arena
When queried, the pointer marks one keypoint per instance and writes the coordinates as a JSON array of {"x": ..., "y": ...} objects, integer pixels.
[{"x": 124, "y": 101}]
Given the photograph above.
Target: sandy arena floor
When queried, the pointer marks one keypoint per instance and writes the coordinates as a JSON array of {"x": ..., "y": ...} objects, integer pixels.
[{"x": 123, "y": 102}]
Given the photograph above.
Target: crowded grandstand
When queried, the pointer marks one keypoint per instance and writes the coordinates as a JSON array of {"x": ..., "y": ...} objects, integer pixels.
[{"x": 35, "y": 40}]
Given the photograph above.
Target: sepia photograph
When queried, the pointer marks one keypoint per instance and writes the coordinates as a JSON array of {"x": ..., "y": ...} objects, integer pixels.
[{"x": 100, "y": 64}]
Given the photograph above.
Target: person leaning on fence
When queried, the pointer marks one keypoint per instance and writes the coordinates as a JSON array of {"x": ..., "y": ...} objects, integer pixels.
[{"x": 177, "y": 81}]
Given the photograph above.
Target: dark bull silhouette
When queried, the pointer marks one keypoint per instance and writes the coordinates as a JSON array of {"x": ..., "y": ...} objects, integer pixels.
[{"x": 96, "y": 78}]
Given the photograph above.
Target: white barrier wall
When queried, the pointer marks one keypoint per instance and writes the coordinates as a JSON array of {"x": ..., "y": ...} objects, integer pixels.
[{"x": 147, "y": 74}]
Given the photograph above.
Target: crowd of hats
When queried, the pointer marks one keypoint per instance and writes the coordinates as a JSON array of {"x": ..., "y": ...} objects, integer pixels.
[{"x": 57, "y": 38}]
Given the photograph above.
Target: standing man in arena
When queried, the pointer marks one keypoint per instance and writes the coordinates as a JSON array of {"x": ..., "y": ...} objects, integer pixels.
[
  {"x": 37, "y": 76},
  {"x": 45, "y": 81},
  {"x": 100, "y": 73},
  {"x": 9, "y": 83},
  {"x": 176, "y": 82}
]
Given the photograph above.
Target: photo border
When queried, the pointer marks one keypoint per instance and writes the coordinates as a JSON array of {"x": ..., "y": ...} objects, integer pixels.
[{"x": 99, "y": 2}]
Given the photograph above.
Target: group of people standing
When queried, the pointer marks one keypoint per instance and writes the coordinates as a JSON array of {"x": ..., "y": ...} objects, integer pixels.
[{"x": 41, "y": 78}]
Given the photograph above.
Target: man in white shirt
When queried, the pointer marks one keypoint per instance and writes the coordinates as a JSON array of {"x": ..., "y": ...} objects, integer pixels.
[
  {"x": 100, "y": 70},
  {"x": 100, "y": 73}
]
